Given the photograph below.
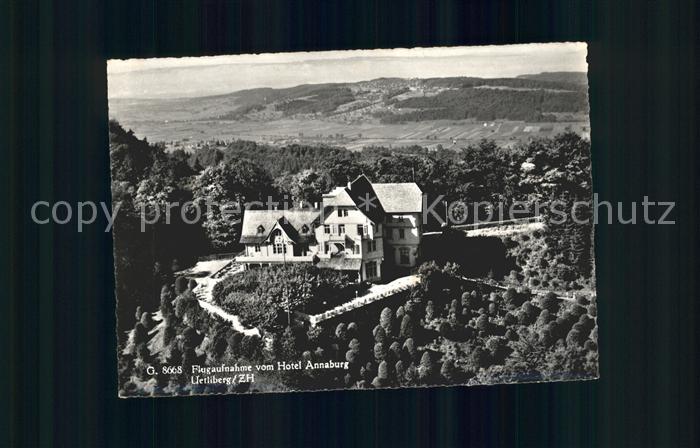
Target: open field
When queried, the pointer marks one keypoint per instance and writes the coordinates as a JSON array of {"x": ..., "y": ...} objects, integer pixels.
[{"x": 354, "y": 136}]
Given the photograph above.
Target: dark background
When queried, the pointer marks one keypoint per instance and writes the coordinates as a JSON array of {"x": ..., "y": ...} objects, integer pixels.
[{"x": 58, "y": 369}]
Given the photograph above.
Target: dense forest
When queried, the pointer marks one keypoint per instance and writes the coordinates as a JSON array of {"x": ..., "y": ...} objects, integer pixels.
[
  {"x": 452, "y": 330},
  {"x": 489, "y": 104}
]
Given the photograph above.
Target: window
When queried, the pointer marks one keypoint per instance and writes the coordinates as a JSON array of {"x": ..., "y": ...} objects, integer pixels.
[
  {"x": 371, "y": 269},
  {"x": 304, "y": 228},
  {"x": 341, "y": 229},
  {"x": 326, "y": 247},
  {"x": 261, "y": 229},
  {"x": 360, "y": 229},
  {"x": 326, "y": 229},
  {"x": 356, "y": 249},
  {"x": 342, "y": 212},
  {"x": 300, "y": 250},
  {"x": 279, "y": 246},
  {"x": 405, "y": 258},
  {"x": 257, "y": 248},
  {"x": 402, "y": 234},
  {"x": 371, "y": 246}
]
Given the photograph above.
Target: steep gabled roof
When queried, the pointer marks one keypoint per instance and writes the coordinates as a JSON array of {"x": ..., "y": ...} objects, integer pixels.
[
  {"x": 338, "y": 197},
  {"x": 291, "y": 221},
  {"x": 365, "y": 198},
  {"x": 400, "y": 197}
]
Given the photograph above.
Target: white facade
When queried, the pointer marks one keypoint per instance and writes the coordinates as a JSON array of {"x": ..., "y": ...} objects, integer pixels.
[{"x": 338, "y": 236}]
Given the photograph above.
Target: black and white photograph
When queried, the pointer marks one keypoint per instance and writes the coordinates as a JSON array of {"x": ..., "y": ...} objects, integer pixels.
[{"x": 363, "y": 219}]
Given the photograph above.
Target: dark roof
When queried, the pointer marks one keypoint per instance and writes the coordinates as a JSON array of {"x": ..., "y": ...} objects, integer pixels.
[
  {"x": 291, "y": 221},
  {"x": 362, "y": 192}
]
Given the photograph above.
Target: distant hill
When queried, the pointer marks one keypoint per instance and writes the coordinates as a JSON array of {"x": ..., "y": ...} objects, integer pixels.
[
  {"x": 540, "y": 97},
  {"x": 568, "y": 77}
]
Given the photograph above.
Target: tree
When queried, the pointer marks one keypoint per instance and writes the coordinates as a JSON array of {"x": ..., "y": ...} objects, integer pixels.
[
  {"x": 448, "y": 370},
  {"x": 543, "y": 319},
  {"x": 379, "y": 334},
  {"x": 574, "y": 338},
  {"x": 154, "y": 195},
  {"x": 130, "y": 157},
  {"x": 234, "y": 343},
  {"x": 511, "y": 297},
  {"x": 528, "y": 313},
  {"x": 139, "y": 335},
  {"x": 477, "y": 359},
  {"x": 482, "y": 323},
  {"x": 498, "y": 348},
  {"x": 411, "y": 375},
  {"x": 289, "y": 344},
  {"x": 379, "y": 351},
  {"x": 410, "y": 348},
  {"x": 425, "y": 370},
  {"x": 355, "y": 346},
  {"x": 147, "y": 321},
  {"x": 395, "y": 351},
  {"x": 400, "y": 370},
  {"x": 549, "y": 302},
  {"x": 138, "y": 313},
  {"x": 341, "y": 332},
  {"x": 250, "y": 348},
  {"x": 430, "y": 311},
  {"x": 383, "y": 371},
  {"x": 351, "y": 357},
  {"x": 308, "y": 186},
  {"x": 407, "y": 327},
  {"x": 221, "y": 190},
  {"x": 509, "y": 319},
  {"x": 386, "y": 321},
  {"x": 166, "y": 301}
]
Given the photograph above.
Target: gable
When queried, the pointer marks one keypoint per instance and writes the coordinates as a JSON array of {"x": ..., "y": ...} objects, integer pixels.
[{"x": 290, "y": 221}]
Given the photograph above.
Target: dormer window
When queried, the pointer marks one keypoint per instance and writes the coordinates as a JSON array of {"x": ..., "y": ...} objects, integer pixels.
[
  {"x": 261, "y": 229},
  {"x": 342, "y": 212},
  {"x": 304, "y": 229}
]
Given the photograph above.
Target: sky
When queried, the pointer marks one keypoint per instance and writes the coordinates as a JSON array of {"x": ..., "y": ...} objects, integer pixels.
[{"x": 214, "y": 75}]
